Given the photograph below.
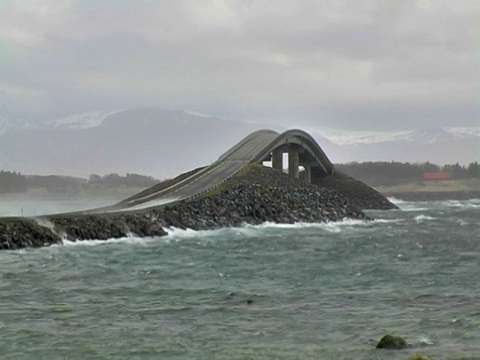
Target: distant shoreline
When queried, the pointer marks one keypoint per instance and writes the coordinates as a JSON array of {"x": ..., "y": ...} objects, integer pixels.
[
  {"x": 433, "y": 195},
  {"x": 405, "y": 192},
  {"x": 461, "y": 189},
  {"x": 114, "y": 192}
]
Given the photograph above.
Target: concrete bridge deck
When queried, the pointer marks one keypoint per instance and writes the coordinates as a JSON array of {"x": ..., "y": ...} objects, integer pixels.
[{"x": 260, "y": 146}]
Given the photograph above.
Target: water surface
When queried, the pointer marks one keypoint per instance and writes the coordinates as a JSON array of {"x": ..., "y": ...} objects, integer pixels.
[{"x": 304, "y": 291}]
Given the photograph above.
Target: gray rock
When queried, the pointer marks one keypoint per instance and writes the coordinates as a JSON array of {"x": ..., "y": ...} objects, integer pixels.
[
  {"x": 392, "y": 342},
  {"x": 260, "y": 195}
]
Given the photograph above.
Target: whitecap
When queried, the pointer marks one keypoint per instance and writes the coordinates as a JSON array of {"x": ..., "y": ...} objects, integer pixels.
[
  {"x": 45, "y": 223},
  {"x": 387, "y": 221},
  {"x": 248, "y": 229},
  {"x": 422, "y": 217},
  {"x": 94, "y": 242},
  {"x": 396, "y": 201},
  {"x": 408, "y": 205},
  {"x": 413, "y": 208},
  {"x": 425, "y": 340},
  {"x": 462, "y": 204},
  {"x": 174, "y": 232},
  {"x": 330, "y": 226}
]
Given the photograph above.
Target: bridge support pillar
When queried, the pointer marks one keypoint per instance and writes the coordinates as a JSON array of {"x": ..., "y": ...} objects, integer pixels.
[
  {"x": 293, "y": 163},
  {"x": 308, "y": 173},
  {"x": 277, "y": 160}
]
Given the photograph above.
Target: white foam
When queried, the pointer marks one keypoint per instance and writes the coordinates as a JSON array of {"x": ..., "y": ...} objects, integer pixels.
[
  {"x": 387, "y": 221},
  {"x": 174, "y": 232},
  {"x": 95, "y": 242},
  {"x": 329, "y": 226},
  {"x": 396, "y": 201},
  {"x": 425, "y": 340},
  {"x": 420, "y": 206},
  {"x": 248, "y": 229},
  {"x": 44, "y": 222},
  {"x": 245, "y": 230},
  {"x": 413, "y": 207},
  {"x": 464, "y": 204},
  {"x": 422, "y": 217},
  {"x": 408, "y": 205}
]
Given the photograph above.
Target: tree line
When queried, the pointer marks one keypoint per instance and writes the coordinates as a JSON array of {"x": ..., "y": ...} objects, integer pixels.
[
  {"x": 391, "y": 173},
  {"x": 15, "y": 182},
  {"x": 12, "y": 182},
  {"x": 116, "y": 180},
  {"x": 373, "y": 173}
]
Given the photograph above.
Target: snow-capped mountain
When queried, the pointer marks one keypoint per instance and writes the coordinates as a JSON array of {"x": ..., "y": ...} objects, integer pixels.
[
  {"x": 436, "y": 145},
  {"x": 9, "y": 124},
  {"x": 346, "y": 137},
  {"x": 196, "y": 113},
  {"x": 164, "y": 143},
  {"x": 424, "y": 136},
  {"x": 79, "y": 121},
  {"x": 157, "y": 142},
  {"x": 433, "y": 136},
  {"x": 95, "y": 118}
]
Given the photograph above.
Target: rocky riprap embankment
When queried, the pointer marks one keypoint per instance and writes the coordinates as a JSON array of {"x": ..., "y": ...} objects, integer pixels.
[
  {"x": 103, "y": 227},
  {"x": 20, "y": 233},
  {"x": 357, "y": 192},
  {"x": 256, "y": 204},
  {"x": 257, "y": 196}
]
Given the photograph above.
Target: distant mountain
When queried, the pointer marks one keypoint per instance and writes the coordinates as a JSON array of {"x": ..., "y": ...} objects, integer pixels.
[
  {"x": 436, "y": 145},
  {"x": 78, "y": 121},
  {"x": 164, "y": 143},
  {"x": 151, "y": 141}
]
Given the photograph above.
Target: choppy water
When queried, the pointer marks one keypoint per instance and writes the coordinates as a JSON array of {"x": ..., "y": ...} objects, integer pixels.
[
  {"x": 18, "y": 206},
  {"x": 321, "y": 291}
]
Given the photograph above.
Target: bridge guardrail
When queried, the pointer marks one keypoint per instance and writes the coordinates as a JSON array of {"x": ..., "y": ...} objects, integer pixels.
[{"x": 204, "y": 192}]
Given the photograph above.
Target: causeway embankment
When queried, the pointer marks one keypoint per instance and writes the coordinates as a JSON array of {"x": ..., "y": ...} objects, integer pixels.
[{"x": 256, "y": 195}]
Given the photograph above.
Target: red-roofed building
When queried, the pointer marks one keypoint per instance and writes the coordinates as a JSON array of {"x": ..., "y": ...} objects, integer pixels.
[{"x": 437, "y": 176}]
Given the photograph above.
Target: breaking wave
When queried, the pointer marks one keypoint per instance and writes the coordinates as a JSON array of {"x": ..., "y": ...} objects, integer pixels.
[
  {"x": 252, "y": 229},
  {"x": 422, "y": 218},
  {"x": 464, "y": 204}
]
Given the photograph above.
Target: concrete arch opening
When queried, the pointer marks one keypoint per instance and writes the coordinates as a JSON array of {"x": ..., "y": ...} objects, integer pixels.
[{"x": 300, "y": 151}]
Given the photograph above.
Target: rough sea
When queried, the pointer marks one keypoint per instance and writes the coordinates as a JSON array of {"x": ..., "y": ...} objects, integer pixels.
[{"x": 303, "y": 291}]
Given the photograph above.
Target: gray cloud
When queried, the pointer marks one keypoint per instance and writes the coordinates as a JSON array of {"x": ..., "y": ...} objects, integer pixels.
[{"x": 343, "y": 63}]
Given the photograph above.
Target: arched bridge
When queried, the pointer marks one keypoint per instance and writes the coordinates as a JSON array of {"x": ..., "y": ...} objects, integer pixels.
[
  {"x": 265, "y": 145},
  {"x": 260, "y": 146}
]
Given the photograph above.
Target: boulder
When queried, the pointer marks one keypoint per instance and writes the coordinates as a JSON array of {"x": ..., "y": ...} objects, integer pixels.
[{"x": 392, "y": 342}]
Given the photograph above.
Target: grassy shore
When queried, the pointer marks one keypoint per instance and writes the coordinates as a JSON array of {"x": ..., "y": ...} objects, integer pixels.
[
  {"x": 464, "y": 185},
  {"x": 434, "y": 190}
]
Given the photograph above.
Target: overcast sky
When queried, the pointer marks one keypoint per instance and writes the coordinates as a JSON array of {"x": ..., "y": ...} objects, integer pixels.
[{"x": 380, "y": 64}]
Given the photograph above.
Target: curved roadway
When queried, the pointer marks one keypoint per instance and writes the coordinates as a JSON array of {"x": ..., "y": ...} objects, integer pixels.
[{"x": 254, "y": 148}]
